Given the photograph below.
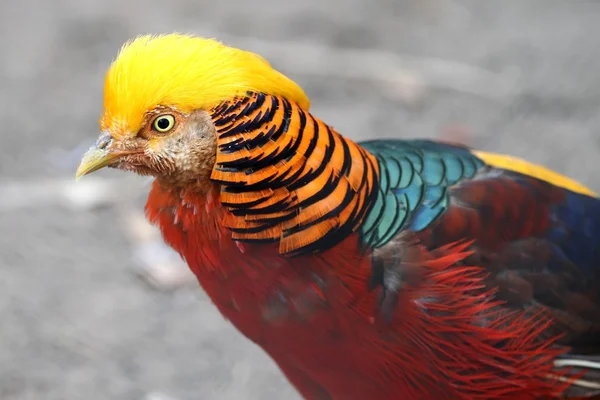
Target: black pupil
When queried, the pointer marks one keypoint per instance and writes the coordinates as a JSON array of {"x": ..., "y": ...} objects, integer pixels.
[{"x": 163, "y": 123}]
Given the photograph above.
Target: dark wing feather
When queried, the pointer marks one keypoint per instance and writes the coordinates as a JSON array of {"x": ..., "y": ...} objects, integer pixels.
[{"x": 540, "y": 243}]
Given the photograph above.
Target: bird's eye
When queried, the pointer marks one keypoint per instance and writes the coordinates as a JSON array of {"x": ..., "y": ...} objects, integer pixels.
[{"x": 164, "y": 123}]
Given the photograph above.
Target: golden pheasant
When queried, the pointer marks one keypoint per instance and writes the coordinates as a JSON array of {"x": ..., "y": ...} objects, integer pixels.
[{"x": 388, "y": 269}]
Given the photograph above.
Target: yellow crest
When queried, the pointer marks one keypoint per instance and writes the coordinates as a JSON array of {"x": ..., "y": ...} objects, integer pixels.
[{"x": 185, "y": 72}]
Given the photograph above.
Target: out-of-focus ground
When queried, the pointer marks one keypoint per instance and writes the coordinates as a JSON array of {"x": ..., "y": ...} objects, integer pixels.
[{"x": 77, "y": 319}]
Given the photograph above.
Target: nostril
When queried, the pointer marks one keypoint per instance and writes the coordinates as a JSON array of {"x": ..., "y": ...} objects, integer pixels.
[{"x": 103, "y": 141}]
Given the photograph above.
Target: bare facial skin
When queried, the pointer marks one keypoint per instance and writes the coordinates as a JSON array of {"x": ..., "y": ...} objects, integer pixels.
[{"x": 182, "y": 155}]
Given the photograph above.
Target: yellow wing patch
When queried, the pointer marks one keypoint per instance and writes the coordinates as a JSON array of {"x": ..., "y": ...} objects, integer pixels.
[{"x": 535, "y": 171}]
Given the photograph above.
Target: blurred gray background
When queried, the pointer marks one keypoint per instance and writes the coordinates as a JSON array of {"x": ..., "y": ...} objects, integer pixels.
[{"x": 93, "y": 306}]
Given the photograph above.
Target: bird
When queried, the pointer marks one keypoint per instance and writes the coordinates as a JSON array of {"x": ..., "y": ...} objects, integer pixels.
[{"x": 388, "y": 268}]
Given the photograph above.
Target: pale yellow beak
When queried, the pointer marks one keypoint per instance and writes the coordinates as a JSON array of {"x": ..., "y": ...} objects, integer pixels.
[{"x": 95, "y": 159}]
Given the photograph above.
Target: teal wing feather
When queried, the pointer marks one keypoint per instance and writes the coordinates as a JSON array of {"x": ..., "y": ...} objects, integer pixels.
[{"x": 414, "y": 179}]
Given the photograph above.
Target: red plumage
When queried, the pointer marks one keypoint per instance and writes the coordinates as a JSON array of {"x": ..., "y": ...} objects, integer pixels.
[
  {"x": 316, "y": 317},
  {"x": 514, "y": 210}
]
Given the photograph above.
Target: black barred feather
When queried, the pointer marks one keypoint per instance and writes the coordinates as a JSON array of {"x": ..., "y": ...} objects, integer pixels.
[{"x": 288, "y": 177}]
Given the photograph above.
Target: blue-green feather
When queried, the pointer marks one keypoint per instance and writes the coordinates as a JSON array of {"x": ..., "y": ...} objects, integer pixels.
[{"x": 413, "y": 188}]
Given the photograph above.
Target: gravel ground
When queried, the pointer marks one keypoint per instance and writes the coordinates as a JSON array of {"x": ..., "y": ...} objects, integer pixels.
[{"x": 77, "y": 321}]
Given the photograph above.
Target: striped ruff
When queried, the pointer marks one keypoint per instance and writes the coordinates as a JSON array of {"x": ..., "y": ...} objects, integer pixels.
[{"x": 287, "y": 177}]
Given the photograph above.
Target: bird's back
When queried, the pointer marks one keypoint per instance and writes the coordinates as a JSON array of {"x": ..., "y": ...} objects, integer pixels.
[{"x": 535, "y": 231}]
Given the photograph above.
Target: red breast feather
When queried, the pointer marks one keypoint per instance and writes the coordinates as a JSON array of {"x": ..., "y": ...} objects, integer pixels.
[{"x": 316, "y": 317}]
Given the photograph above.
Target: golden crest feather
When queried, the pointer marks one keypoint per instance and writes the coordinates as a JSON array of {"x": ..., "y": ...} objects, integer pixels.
[{"x": 185, "y": 72}]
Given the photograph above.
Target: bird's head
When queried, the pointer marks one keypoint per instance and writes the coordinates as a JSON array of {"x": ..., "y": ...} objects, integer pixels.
[{"x": 159, "y": 96}]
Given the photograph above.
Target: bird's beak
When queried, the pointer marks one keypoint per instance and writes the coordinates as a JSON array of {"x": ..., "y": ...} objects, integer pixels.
[
  {"x": 98, "y": 156},
  {"x": 95, "y": 159}
]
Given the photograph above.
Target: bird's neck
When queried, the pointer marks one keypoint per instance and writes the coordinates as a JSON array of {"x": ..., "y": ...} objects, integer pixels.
[{"x": 286, "y": 177}]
